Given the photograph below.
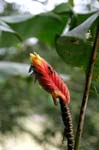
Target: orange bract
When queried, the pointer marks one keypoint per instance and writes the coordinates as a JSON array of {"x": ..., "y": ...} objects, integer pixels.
[{"x": 49, "y": 79}]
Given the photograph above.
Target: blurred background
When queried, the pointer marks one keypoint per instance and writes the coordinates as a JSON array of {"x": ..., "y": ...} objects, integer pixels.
[{"x": 28, "y": 117}]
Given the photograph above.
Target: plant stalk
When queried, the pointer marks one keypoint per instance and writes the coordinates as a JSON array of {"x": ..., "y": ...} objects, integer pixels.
[
  {"x": 86, "y": 90},
  {"x": 67, "y": 120}
]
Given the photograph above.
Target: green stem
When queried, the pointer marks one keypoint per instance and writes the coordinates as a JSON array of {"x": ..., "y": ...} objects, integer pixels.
[{"x": 87, "y": 89}]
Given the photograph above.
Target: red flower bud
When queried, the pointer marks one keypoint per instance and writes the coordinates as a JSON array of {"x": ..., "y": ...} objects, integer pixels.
[{"x": 49, "y": 79}]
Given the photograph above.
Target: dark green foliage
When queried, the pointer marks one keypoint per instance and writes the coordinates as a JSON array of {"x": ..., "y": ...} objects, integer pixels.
[{"x": 75, "y": 47}]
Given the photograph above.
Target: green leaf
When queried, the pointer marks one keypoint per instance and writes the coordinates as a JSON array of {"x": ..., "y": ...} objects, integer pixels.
[
  {"x": 81, "y": 30},
  {"x": 43, "y": 26},
  {"x": 74, "y": 52},
  {"x": 5, "y": 27},
  {"x": 16, "y": 18},
  {"x": 63, "y": 8},
  {"x": 77, "y": 19}
]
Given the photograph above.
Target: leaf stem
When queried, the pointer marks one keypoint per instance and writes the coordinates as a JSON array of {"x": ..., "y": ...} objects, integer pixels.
[{"x": 86, "y": 90}]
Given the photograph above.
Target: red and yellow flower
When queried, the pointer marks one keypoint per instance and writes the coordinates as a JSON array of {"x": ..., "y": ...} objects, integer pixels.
[{"x": 49, "y": 79}]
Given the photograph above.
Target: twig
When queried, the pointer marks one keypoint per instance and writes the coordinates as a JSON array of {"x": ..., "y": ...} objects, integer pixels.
[
  {"x": 67, "y": 120},
  {"x": 86, "y": 91}
]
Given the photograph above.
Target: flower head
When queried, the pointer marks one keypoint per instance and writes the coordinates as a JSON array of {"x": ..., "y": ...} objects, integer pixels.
[{"x": 49, "y": 79}]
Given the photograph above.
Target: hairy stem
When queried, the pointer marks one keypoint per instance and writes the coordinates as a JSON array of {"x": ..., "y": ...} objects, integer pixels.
[
  {"x": 86, "y": 90},
  {"x": 67, "y": 120}
]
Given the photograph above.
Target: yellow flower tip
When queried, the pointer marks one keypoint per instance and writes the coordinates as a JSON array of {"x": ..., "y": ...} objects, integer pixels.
[
  {"x": 35, "y": 58},
  {"x": 55, "y": 95},
  {"x": 31, "y": 56}
]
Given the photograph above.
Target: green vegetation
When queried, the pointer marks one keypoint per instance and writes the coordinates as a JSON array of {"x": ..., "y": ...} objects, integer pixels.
[{"x": 20, "y": 97}]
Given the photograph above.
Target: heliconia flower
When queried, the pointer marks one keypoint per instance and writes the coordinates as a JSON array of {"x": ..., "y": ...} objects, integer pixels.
[{"x": 49, "y": 79}]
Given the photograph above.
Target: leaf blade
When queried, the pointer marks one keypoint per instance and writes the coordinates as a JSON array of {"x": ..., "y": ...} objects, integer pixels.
[{"x": 81, "y": 30}]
